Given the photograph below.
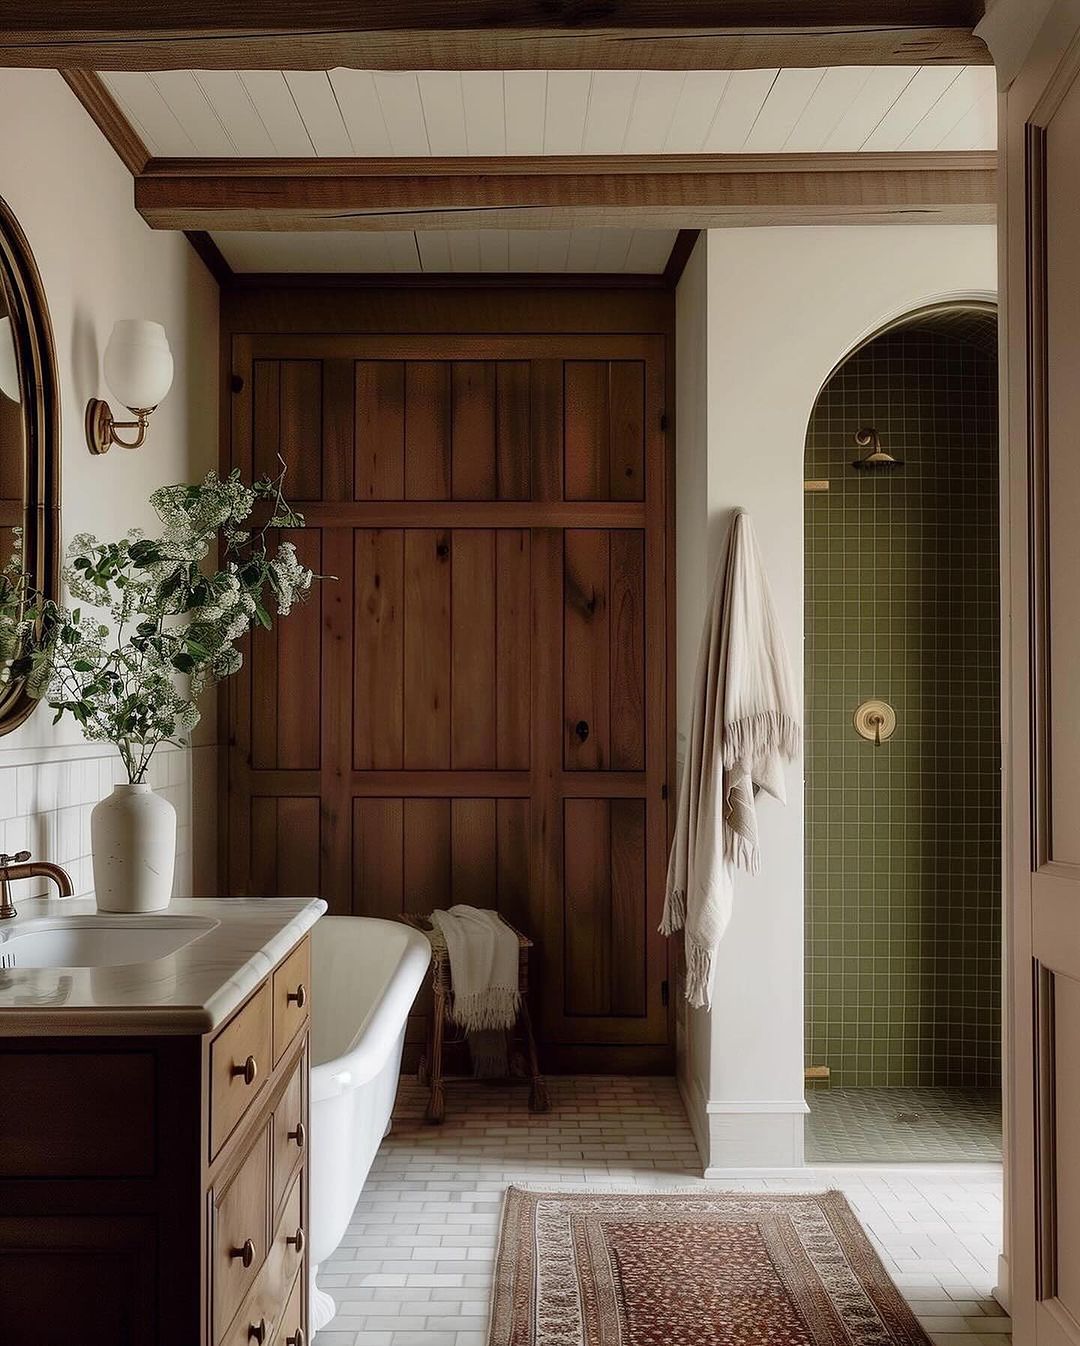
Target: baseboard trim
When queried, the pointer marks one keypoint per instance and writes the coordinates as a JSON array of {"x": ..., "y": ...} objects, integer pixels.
[{"x": 783, "y": 1105}]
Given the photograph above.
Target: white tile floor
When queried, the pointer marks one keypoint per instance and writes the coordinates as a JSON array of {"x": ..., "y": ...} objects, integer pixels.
[{"x": 415, "y": 1267}]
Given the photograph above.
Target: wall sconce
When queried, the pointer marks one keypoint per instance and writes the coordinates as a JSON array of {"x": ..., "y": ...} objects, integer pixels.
[{"x": 139, "y": 369}]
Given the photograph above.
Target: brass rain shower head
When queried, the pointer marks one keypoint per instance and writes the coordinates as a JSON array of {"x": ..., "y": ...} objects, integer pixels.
[{"x": 877, "y": 460}]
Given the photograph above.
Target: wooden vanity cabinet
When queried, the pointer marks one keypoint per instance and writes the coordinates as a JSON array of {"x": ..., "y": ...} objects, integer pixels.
[{"x": 154, "y": 1190}]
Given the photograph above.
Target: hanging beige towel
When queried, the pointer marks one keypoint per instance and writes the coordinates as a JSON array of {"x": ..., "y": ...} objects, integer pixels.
[{"x": 745, "y": 723}]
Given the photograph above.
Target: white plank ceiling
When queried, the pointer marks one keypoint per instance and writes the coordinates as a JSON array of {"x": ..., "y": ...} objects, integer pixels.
[
  {"x": 181, "y": 113},
  {"x": 302, "y": 113}
]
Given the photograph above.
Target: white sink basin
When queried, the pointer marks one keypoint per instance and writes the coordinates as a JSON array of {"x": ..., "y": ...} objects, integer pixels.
[{"x": 98, "y": 941}]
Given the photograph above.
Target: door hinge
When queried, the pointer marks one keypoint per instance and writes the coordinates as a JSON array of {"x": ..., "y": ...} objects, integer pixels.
[
  {"x": 663, "y": 420},
  {"x": 663, "y": 791},
  {"x": 664, "y": 993}
]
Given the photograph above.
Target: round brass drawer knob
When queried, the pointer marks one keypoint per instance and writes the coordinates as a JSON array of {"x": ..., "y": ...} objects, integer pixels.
[
  {"x": 296, "y": 1241},
  {"x": 245, "y": 1253},
  {"x": 249, "y": 1070},
  {"x": 299, "y": 1135},
  {"x": 297, "y": 997},
  {"x": 257, "y": 1331}
]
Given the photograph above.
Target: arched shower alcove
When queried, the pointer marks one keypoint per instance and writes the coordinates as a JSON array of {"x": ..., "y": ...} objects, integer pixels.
[{"x": 903, "y": 898}]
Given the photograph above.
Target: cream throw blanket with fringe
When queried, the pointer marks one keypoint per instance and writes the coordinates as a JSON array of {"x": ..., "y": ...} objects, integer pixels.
[
  {"x": 483, "y": 968},
  {"x": 745, "y": 723}
]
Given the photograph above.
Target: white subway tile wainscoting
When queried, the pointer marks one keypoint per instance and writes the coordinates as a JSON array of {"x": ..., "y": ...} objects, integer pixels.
[
  {"x": 415, "y": 1267},
  {"x": 47, "y": 795}
]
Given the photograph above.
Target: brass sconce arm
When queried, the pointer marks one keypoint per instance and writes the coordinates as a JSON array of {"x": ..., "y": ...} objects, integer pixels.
[{"x": 101, "y": 428}]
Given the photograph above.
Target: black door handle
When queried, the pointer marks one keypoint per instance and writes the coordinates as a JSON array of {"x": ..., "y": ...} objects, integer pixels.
[{"x": 582, "y": 730}]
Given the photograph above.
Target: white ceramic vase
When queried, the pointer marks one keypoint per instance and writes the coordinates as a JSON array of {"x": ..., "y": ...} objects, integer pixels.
[{"x": 133, "y": 840}]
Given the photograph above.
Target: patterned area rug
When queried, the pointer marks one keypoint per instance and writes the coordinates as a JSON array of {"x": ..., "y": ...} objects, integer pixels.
[{"x": 691, "y": 1269}]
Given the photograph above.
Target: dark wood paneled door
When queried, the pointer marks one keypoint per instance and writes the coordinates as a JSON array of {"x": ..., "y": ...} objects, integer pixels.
[{"x": 474, "y": 709}]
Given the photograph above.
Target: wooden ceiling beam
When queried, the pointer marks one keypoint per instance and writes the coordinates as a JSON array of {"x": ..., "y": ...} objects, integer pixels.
[
  {"x": 487, "y": 34},
  {"x": 660, "y": 191}
]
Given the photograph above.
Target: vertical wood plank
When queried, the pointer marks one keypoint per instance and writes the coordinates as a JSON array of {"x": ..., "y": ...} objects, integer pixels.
[
  {"x": 546, "y": 429},
  {"x": 546, "y": 905},
  {"x": 473, "y": 649},
  {"x": 427, "y": 854},
  {"x": 512, "y": 861},
  {"x": 513, "y": 468},
  {"x": 587, "y": 651},
  {"x": 378, "y": 658},
  {"x": 473, "y": 852},
  {"x": 265, "y": 411},
  {"x": 379, "y": 454},
  {"x": 427, "y": 649},
  {"x": 377, "y": 857},
  {"x": 427, "y": 430},
  {"x": 297, "y": 668},
  {"x": 626, "y": 402},
  {"x": 587, "y": 426},
  {"x": 336, "y": 714},
  {"x": 263, "y": 654},
  {"x": 587, "y": 898},
  {"x": 297, "y": 847},
  {"x": 339, "y": 429},
  {"x": 262, "y": 862},
  {"x": 474, "y": 474},
  {"x": 300, "y": 418},
  {"x": 513, "y": 654},
  {"x": 628, "y": 911},
  {"x": 627, "y": 650}
]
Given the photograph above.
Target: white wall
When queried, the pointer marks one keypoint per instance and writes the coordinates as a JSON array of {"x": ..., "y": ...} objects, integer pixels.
[
  {"x": 783, "y": 307},
  {"x": 100, "y": 262}
]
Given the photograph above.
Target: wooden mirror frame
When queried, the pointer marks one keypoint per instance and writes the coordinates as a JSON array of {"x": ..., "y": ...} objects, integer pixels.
[{"x": 39, "y": 389}]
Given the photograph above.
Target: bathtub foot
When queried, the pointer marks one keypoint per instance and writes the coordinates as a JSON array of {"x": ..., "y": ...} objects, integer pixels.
[{"x": 321, "y": 1306}]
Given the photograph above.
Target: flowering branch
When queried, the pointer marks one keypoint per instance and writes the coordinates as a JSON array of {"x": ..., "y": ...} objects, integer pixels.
[{"x": 158, "y": 614}]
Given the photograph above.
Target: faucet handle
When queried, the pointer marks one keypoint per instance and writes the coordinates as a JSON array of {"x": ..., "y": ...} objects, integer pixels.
[{"x": 17, "y": 859}]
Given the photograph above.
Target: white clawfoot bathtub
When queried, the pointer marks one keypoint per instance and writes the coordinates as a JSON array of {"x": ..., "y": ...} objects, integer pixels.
[{"x": 365, "y": 976}]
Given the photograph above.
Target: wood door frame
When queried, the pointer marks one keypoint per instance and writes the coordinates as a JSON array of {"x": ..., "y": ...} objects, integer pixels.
[
  {"x": 410, "y": 321},
  {"x": 1027, "y": 1284}
]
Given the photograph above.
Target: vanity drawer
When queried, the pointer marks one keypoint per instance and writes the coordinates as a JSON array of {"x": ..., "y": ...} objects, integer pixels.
[
  {"x": 265, "y": 1311},
  {"x": 293, "y": 1331},
  {"x": 241, "y": 1224},
  {"x": 292, "y": 988},
  {"x": 239, "y": 1065},
  {"x": 289, "y": 1131}
]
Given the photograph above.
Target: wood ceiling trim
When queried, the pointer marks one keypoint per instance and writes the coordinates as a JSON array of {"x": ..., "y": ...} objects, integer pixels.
[
  {"x": 91, "y": 92},
  {"x": 481, "y": 35},
  {"x": 684, "y": 191},
  {"x": 680, "y": 254},
  {"x": 211, "y": 256}
]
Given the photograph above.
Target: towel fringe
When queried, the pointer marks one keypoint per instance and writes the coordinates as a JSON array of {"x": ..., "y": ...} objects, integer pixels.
[
  {"x": 758, "y": 736},
  {"x": 674, "y": 917},
  {"x": 741, "y": 852},
  {"x": 496, "y": 1007},
  {"x": 699, "y": 969}
]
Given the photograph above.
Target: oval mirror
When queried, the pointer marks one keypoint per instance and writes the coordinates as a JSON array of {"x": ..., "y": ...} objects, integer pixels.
[{"x": 29, "y": 438}]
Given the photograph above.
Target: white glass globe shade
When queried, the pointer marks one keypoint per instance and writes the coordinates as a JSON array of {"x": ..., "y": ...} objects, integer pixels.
[
  {"x": 138, "y": 363},
  {"x": 9, "y": 362}
]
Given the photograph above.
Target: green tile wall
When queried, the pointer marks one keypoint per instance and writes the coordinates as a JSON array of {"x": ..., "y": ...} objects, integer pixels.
[{"x": 903, "y": 841}]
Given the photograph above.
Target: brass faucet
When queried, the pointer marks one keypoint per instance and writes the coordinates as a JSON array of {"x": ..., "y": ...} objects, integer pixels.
[{"x": 16, "y": 867}]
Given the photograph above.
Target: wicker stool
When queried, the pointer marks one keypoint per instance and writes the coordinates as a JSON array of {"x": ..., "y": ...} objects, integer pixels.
[{"x": 431, "y": 1067}]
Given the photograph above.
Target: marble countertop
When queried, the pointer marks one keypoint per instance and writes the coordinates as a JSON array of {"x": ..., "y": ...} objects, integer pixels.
[{"x": 232, "y": 944}]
